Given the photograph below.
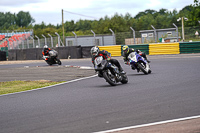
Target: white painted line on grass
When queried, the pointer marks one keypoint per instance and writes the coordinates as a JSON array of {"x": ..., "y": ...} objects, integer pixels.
[
  {"x": 51, "y": 85},
  {"x": 150, "y": 124}
]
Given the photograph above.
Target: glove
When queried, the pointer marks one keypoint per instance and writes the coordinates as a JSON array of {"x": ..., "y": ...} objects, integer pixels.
[{"x": 127, "y": 63}]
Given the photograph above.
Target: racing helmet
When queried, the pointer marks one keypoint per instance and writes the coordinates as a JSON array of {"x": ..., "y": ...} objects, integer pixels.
[
  {"x": 94, "y": 51},
  {"x": 45, "y": 46},
  {"x": 125, "y": 49}
]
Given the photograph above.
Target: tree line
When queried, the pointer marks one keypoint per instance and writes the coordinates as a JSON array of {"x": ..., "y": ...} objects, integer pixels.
[{"x": 118, "y": 23}]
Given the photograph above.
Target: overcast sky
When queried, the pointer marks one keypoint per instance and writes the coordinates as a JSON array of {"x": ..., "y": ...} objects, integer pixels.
[{"x": 49, "y": 11}]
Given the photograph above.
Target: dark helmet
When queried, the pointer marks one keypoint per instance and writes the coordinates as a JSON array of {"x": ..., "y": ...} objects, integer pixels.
[
  {"x": 94, "y": 51},
  {"x": 125, "y": 49}
]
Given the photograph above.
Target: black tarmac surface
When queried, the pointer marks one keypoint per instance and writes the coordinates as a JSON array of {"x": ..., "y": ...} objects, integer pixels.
[{"x": 92, "y": 105}]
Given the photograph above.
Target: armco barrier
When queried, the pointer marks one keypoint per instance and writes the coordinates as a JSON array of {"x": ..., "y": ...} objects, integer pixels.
[
  {"x": 73, "y": 52},
  {"x": 12, "y": 55},
  {"x": 30, "y": 54},
  {"x": 164, "y": 48},
  {"x": 4, "y": 49},
  {"x": 189, "y": 47},
  {"x": 2, "y": 55},
  {"x": 114, "y": 50},
  {"x": 86, "y": 51}
]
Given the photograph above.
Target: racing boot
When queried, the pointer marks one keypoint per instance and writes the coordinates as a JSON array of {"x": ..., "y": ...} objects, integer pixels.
[
  {"x": 148, "y": 61},
  {"x": 132, "y": 67},
  {"x": 122, "y": 71},
  {"x": 145, "y": 57}
]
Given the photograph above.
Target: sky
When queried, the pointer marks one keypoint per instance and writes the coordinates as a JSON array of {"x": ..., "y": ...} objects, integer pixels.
[{"x": 50, "y": 11}]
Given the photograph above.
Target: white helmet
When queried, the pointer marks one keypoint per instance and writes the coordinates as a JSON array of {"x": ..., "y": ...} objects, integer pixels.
[
  {"x": 45, "y": 46},
  {"x": 94, "y": 51}
]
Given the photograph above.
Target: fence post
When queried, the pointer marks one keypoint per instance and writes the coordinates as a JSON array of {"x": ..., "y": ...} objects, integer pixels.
[
  {"x": 75, "y": 38},
  {"x": 33, "y": 41},
  {"x": 94, "y": 37},
  {"x": 154, "y": 34},
  {"x": 38, "y": 40},
  {"x": 113, "y": 34},
  {"x": 133, "y": 33},
  {"x": 176, "y": 31},
  {"x": 45, "y": 40},
  {"x": 27, "y": 42},
  {"x": 51, "y": 40},
  {"x": 58, "y": 38}
]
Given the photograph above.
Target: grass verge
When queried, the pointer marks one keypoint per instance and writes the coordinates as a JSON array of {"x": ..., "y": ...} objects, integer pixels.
[{"x": 18, "y": 86}]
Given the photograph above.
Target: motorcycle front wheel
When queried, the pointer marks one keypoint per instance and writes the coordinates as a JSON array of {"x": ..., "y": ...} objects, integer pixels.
[
  {"x": 59, "y": 62},
  {"x": 124, "y": 79},
  {"x": 110, "y": 78},
  {"x": 49, "y": 63},
  {"x": 142, "y": 68}
]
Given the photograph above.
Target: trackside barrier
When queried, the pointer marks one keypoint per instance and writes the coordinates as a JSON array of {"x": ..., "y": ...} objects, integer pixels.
[
  {"x": 114, "y": 50},
  {"x": 75, "y": 52},
  {"x": 164, "y": 48},
  {"x": 190, "y": 47},
  {"x": 4, "y": 49},
  {"x": 2, "y": 55}
]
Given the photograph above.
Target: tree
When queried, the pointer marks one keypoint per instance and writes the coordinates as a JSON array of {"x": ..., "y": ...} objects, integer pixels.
[
  {"x": 23, "y": 19},
  {"x": 140, "y": 14}
]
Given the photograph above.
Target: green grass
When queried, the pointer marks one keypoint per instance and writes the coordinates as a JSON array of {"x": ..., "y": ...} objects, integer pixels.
[{"x": 18, "y": 86}]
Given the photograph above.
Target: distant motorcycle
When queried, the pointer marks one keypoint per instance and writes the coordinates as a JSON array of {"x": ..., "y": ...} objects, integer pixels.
[
  {"x": 52, "y": 58},
  {"x": 139, "y": 63},
  {"x": 109, "y": 71}
]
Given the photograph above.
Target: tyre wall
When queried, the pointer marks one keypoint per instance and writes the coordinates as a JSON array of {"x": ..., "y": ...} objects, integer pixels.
[
  {"x": 189, "y": 47},
  {"x": 164, "y": 48}
]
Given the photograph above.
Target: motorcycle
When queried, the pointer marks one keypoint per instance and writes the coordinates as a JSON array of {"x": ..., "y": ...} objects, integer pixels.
[
  {"x": 109, "y": 71},
  {"x": 139, "y": 63},
  {"x": 52, "y": 58}
]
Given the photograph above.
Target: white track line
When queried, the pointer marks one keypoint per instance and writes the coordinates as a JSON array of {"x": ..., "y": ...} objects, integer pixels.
[
  {"x": 51, "y": 85},
  {"x": 150, "y": 124}
]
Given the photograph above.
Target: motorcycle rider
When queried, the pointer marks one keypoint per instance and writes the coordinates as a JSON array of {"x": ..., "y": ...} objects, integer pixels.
[
  {"x": 127, "y": 51},
  {"x": 46, "y": 50},
  {"x": 95, "y": 52}
]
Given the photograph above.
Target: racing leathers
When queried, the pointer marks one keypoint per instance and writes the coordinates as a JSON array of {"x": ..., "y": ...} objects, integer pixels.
[
  {"x": 125, "y": 55},
  {"x": 107, "y": 56},
  {"x": 45, "y": 51}
]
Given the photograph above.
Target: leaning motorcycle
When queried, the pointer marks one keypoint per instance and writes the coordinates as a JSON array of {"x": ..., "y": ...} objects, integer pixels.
[
  {"x": 109, "y": 71},
  {"x": 52, "y": 58},
  {"x": 139, "y": 63}
]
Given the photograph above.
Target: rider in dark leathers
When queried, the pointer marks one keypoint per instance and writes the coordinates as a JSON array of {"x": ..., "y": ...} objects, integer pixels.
[
  {"x": 46, "y": 50},
  {"x": 127, "y": 51},
  {"x": 95, "y": 52}
]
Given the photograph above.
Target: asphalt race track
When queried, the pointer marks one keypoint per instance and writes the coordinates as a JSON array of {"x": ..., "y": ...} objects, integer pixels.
[{"x": 92, "y": 105}]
